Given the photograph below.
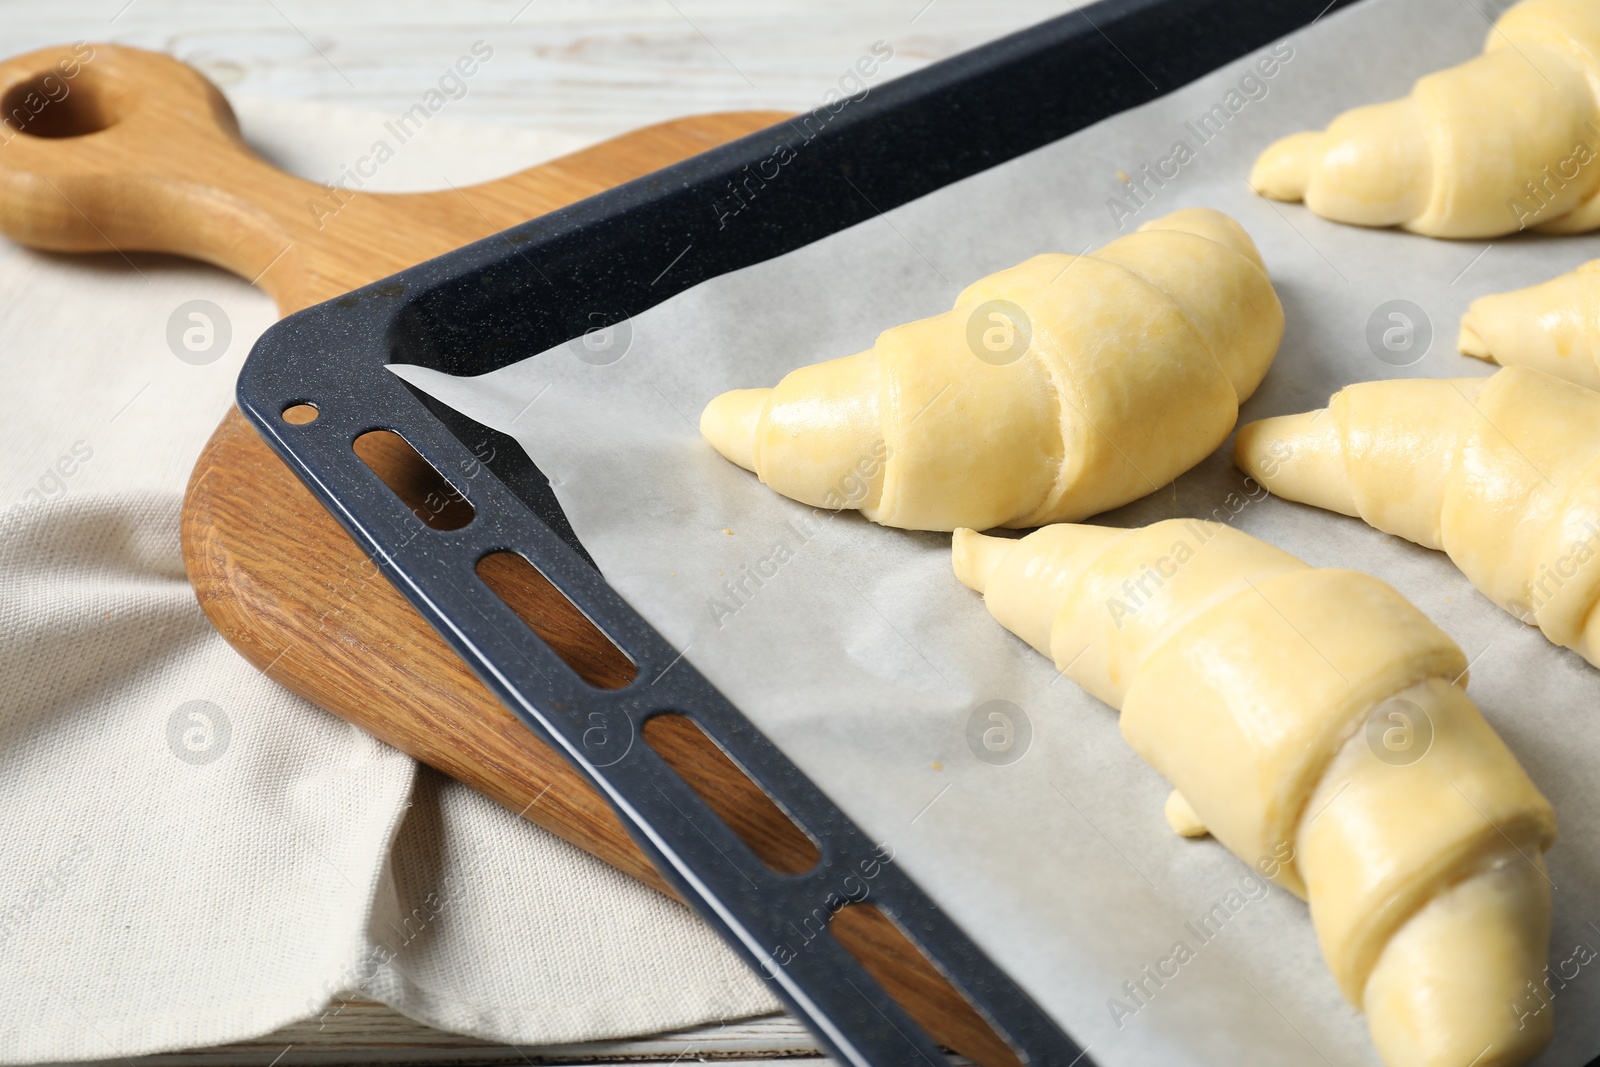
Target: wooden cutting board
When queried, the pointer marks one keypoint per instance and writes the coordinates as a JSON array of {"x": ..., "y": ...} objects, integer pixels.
[{"x": 141, "y": 152}]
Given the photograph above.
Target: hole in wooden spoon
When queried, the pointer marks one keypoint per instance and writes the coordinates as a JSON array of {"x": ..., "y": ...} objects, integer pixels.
[
  {"x": 557, "y": 620},
  {"x": 731, "y": 793},
  {"x": 918, "y": 986},
  {"x": 428, "y": 494},
  {"x": 48, "y": 105}
]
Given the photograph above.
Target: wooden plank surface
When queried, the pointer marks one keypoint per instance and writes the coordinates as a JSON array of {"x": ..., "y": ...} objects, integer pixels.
[
  {"x": 592, "y": 69},
  {"x": 357, "y": 1030}
]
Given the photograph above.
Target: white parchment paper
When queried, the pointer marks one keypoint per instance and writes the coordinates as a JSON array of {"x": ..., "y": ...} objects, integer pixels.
[{"x": 858, "y": 652}]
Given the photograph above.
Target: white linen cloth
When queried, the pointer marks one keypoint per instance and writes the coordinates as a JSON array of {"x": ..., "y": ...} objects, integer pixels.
[{"x": 190, "y": 854}]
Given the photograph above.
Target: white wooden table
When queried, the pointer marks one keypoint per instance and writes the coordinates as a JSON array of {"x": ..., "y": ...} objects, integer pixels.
[
  {"x": 597, "y": 67},
  {"x": 588, "y": 68},
  {"x": 364, "y": 1032}
]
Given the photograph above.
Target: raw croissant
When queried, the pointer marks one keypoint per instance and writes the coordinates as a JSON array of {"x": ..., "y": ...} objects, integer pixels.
[
  {"x": 1501, "y": 143},
  {"x": 1502, "y": 473},
  {"x": 1554, "y": 326},
  {"x": 1136, "y": 360},
  {"x": 1252, "y": 682}
]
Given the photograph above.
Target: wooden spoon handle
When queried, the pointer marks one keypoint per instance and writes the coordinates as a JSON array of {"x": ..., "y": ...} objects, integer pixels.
[{"x": 110, "y": 148}]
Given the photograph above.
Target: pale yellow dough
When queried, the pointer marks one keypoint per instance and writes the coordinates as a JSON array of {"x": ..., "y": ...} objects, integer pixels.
[
  {"x": 1554, "y": 327},
  {"x": 1248, "y": 679},
  {"x": 1501, "y": 473},
  {"x": 1170, "y": 327},
  {"x": 1504, "y": 142}
]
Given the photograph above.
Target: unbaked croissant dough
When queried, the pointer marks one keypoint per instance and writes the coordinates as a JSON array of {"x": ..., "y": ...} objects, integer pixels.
[
  {"x": 1251, "y": 680},
  {"x": 1554, "y": 326},
  {"x": 1504, "y": 142},
  {"x": 1172, "y": 327},
  {"x": 1502, "y": 473}
]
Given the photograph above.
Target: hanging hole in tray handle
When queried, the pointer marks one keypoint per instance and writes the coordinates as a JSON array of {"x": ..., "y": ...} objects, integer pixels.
[
  {"x": 732, "y": 794},
  {"x": 53, "y": 103},
  {"x": 419, "y": 485},
  {"x": 917, "y": 985},
  {"x": 300, "y": 414},
  {"x": 557, "y": 621}
]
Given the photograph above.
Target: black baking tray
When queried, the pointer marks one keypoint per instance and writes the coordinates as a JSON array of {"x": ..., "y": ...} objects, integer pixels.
[{"x": 601, "y": 261}]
